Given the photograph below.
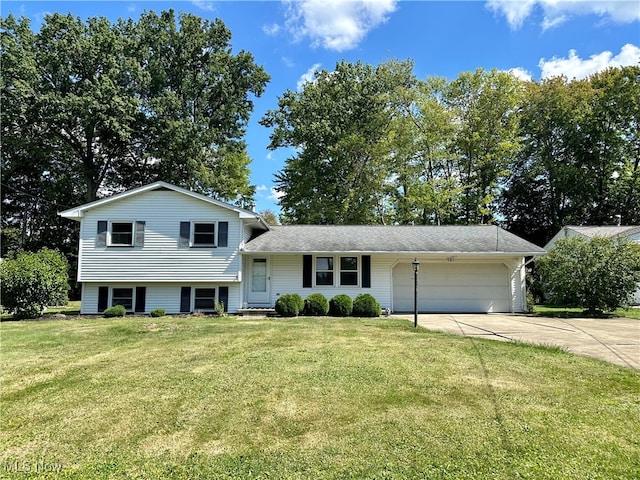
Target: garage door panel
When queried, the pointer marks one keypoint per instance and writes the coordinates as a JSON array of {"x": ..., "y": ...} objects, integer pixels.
[{"x": 453, "y": 288}]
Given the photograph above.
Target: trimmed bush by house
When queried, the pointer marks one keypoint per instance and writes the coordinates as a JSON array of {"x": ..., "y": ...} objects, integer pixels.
[
  {"x": 364, "y": 305},
  {"x": 158, "y": 312},
  {"x": 316, "y": 304},
  {"x": 341, "y": 305},
  {"x": 115, "y": 311},
  {"x": 289, "y": 305}
]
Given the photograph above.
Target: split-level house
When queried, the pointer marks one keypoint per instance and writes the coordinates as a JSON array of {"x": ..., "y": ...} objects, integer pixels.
[{"x": 161, "y": 246}]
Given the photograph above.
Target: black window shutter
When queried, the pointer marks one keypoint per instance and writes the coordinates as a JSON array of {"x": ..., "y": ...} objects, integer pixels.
[
  {"x": 223, "y": 297},
  {"x": 366, "y": 271},
  {"x": 139, "y": 234},
  {"x": 185, "y": 231},
  {"x": 185, "y": 299},
  {"x": 103, "y": 299},
  {"x": 101, "y": 237},
  {"x": 307, "y": 271},
  {"x": 141, "y": 298},
  {"x": 223, "y": 233}
]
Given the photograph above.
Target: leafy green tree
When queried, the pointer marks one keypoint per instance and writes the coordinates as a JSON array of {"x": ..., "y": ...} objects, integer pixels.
[
  {"x": 580, "y": 158},
  {"x": 425, "y": 188},
  {"x": 598, "y": 275},
  {"x": 32, "y": 281},
  {"x": 337, "y": 125},
  {"x": 92, "y": 108},
  {"x": 487, "y": 138}
]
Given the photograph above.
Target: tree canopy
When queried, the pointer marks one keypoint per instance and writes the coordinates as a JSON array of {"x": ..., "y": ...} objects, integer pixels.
[
  {"x": 91, "y": 108},
  {"x": 373, "y": 144}
]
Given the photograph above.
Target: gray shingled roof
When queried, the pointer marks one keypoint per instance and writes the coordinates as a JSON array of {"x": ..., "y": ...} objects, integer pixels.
[
  {"x": 606, "y": 231},
  {"x": 388, "y": 239}
]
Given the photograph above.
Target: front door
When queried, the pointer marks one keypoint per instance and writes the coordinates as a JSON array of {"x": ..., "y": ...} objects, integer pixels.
[{"x": 259, "y": 282}]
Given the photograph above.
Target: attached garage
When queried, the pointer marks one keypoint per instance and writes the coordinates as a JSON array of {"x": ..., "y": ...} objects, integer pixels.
[{"x": 453, "y": 287}]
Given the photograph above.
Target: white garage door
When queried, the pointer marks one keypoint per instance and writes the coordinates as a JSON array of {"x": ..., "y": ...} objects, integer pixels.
[{"x": 452, "y": 287}]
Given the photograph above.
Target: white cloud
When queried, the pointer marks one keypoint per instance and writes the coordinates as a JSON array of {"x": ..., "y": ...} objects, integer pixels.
[
  {"x": 335, "y": 24},
  {"x": 521, "y": 73},
  {"x": 576, "y": 67},
  {"x": 203, "y": 5},
  {"x": 307, "y": 76},
  {"x": 271, "y": 30},
  {"x": 556, "y": 12},
  {"x": 261, "y": 188},
  {"x": 516, "y": 12},
  {"x": 275, "y": 195},
  {"x": 549, "y": 23}
]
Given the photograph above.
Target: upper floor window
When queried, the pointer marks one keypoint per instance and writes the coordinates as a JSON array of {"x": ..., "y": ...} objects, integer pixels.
[
  {"x": 121, "y": 234},
  {"x": 203, "y": 234}
]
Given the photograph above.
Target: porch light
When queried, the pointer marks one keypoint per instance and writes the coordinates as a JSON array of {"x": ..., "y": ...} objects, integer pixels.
[{"x": 416, "y": 266}]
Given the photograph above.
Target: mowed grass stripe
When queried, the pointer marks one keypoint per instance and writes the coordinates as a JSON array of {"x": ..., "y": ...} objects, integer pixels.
[{"x": 306, "y": 398}]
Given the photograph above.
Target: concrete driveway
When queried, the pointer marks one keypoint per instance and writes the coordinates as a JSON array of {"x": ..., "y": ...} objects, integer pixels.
[{"x": 616, "y": 340}]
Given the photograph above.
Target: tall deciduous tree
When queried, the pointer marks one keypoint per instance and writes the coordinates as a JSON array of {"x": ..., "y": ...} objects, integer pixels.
[
  {"x": 337, "y": 125},
  {"x": 98, "y": 107},
  {"x": 426, "y": 187},
  {"x": 485, "y": 106},
  {"x": 580, "y": 160}
]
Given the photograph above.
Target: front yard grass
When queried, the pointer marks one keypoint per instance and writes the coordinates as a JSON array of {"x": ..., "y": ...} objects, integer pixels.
[{"x": 204, "y": 398}]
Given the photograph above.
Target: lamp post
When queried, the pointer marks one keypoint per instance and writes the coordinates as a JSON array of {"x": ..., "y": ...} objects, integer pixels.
[{"x": 416, "y": 266}]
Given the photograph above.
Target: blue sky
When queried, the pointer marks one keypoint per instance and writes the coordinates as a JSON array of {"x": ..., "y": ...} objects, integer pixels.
[{"x": 290, "y": 39}]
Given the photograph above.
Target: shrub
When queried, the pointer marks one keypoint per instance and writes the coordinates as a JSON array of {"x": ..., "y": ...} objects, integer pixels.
[
  {"x": 158, "y": 312},
  {"x": 115, "y": 311},
  {"x": 316, "y": 304},
  {"x": 32, "y": 281},
  {"x": 340, "y": 306},
  {"x": 289, "y": 305},
  {"x": 598, "y": 275},
  {"x": 364, "y": 305},
  {"x": 220, "y": 309}
]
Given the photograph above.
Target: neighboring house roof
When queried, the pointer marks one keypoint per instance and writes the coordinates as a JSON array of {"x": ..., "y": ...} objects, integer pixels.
[
  {"x": 389, "y": 239},
  {"x": 591, "y": 231},
  {"x": 605, "y": 231},
  {"x": 77, "y": 213}
]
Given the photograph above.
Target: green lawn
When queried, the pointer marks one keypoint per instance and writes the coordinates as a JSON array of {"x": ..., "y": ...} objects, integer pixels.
[{"x": 208, "y": 398}]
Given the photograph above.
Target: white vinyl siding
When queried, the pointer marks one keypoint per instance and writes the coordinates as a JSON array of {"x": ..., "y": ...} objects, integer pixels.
[
  {"x": 286, "y": 277},
  {"x": 160, "y": 259},
  {"x": 504, "y": 291},
  {"x": 158, "y": 295}
]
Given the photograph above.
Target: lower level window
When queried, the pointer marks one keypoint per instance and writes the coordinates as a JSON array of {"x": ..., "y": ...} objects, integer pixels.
[
  {"x": 122, "y": 296},
  {"x": 205, "y": 299}
]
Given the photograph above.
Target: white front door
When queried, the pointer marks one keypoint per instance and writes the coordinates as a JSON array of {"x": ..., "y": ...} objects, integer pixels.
[{"x": 259, "y": 281}]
